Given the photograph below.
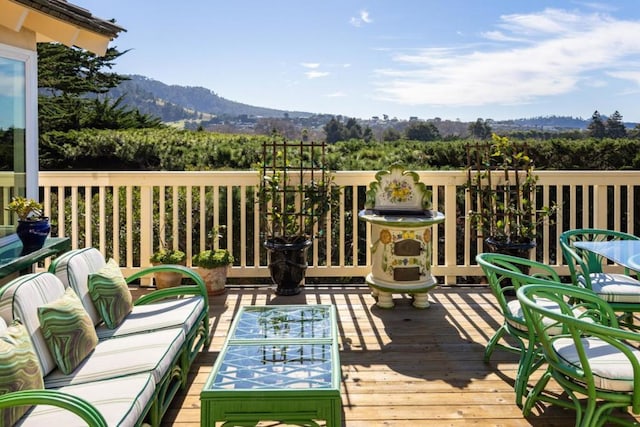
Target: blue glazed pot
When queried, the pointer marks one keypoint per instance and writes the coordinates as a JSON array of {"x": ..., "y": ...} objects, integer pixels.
[{"x": 33, "y": 234}]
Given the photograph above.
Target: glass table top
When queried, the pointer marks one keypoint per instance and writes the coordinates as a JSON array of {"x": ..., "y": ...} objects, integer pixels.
[
  {"x": 623, "y": 252},
  {"x": 269, "y": 366},
  {"x": 278, "y": 347},
  {"x": 12, "y": 258},
  {"x": 283, "y": 322}
]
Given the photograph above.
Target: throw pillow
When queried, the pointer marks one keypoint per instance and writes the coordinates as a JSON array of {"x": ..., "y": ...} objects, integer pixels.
[
  {"x": 67, "y": 330},
  {"x": 19, "y": 368},
  {"x": 110, "y": 294}
]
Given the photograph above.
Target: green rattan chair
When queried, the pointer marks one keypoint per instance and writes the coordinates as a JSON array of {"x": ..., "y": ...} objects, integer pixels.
[
  {"x": 621, "y": 290},
  {"x": 506, "y": 273},
  {"x": 595, "y": 362}
]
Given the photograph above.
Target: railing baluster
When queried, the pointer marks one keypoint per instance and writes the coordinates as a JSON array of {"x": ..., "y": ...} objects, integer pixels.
[{"x": 585, "y": 196}]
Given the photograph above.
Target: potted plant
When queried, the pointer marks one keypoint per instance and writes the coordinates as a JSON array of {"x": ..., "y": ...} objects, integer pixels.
[
  {"x": 213, "y": 265},
  {"x": 502, "y": 186},
  {"x": 33, "y": 226},
  {"x": 296, "y": 194},
  {"x": 165, "y": 255}
]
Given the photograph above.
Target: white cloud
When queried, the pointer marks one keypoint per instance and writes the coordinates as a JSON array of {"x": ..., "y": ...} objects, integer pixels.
[
  {"x": 364, "y": 15},
  {"x": 362, "y": 18},
  {"x": 549, "y": 53},
  {"x": 500, "y": 37},
  {"x": 316, "y": 74},
  {"x": 8, "y": 83},
  {"x": 338, "y": 94},
  {"x": 310, "y": 64}
]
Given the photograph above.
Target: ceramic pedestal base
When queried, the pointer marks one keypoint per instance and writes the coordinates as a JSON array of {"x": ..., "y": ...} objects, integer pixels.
[{"x": 383, "y": 292}]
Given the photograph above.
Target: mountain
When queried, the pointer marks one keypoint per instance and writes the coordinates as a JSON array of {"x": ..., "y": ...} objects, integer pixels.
[
  {"x": 547, "y": 122},
  {"x": 195, "y": 105},
  {"x": 173, "y": 102}
]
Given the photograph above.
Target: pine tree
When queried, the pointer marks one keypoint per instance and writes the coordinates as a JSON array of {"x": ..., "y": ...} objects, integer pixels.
[
  {"x": 596, "y": 127},
  {"x": 615, "y": 127},
  {"x": 334, "y": 130},
  {"x": 480, "y": 129},
  {"x": 70, "y": 84}
]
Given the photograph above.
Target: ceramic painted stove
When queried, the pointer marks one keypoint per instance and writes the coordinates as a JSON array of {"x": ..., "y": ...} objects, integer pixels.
[{"x": 398, "y": 207}]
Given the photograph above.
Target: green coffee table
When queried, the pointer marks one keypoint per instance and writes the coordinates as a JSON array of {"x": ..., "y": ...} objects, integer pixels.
[{"x": 278, "y": 363}]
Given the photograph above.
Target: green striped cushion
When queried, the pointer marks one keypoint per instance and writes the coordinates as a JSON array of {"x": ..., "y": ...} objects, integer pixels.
[
  {"x": 19, "y": 368},
  {"x": 110, "y": 294},
  {"x": 67, "y": 330}
]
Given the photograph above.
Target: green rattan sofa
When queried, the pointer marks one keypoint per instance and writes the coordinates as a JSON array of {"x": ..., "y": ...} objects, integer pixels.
[{"x": 123, "y": 374}]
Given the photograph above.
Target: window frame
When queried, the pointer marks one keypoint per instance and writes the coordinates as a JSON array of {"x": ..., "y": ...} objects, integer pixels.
[{"x": 30, "y": 61}]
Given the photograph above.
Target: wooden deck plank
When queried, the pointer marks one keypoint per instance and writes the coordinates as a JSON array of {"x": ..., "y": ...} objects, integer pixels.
[{"x": 400, "y": 367}]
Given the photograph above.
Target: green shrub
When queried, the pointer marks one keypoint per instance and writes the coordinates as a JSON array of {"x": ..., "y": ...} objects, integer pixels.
[{"x": 213, "y": 258}]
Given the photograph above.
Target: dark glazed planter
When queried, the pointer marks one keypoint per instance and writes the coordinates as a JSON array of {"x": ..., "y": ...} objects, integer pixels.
[
  {"x": 288, "y": 263},
  {"x": 521, "y": 250},
  {"x": 33, "y": 234}
]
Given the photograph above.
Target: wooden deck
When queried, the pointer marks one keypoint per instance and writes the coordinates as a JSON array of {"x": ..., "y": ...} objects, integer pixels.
[{"x": 400, "y": 367}]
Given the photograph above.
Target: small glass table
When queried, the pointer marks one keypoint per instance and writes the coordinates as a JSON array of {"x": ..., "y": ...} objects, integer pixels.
[
  {"x": 278, "y": 363},
  {"x": 623, "y": 252},
  {"x": 13, "y": 260}
]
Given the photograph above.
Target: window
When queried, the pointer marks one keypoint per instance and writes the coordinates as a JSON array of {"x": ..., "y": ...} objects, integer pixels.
[{"x": 18, "y": 131}]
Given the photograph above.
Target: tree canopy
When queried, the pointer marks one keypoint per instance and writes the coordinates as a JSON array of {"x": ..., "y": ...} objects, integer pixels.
[
  {"x": 615, "y": 127},
  {"x": 336, "y": 131},
  {"x": 480, "y": 129},
  {"x": 422, "y": 131},
  {"x": 70, "y": 82}
]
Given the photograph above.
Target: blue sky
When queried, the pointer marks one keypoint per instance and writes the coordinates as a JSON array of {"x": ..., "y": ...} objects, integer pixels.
[{"x": 454, "y": 59}]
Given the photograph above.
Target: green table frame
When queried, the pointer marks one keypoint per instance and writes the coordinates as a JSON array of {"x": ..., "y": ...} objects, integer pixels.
[
  {"x": 12, "y": 260},
  {"x": 278, "y": 363}
]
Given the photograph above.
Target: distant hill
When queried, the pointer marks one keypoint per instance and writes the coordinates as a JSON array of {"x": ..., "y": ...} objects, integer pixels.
[
  {"x": 552, "y": 123},
  {"x": 199, "y": 105},
  {"x": 547, "y": 122},
  {"x": 173, "y": 102}
]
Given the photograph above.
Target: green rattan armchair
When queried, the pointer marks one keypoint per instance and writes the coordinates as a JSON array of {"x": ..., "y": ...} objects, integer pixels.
[
  {"x": 621, "y": 290},
  {"x": 506, "y": 273},
  {"x": 592, "y": 358}
]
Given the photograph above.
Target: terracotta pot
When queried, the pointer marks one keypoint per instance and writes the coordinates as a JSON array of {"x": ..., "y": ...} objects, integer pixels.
[
  {"x": 167, "y": 279},
  {"x": 214, "y": 278}
]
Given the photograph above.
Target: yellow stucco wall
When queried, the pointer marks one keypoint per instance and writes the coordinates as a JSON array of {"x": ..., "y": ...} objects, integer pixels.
[{"x": 24, "y": 39}]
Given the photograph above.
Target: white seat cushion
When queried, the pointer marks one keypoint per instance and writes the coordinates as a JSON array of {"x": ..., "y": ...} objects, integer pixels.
[
  {"x": 154, "y": 352},
  {"x": 611, "y": 368},
  {"x": 516, "y": 311},
  {"x": 121, "y": 401},
  {"x": 74, "y": 268},
  {"x": 155, "y": 316},
  {"x": 615, "y": 287},
  {"x": 21, "y": 298}
]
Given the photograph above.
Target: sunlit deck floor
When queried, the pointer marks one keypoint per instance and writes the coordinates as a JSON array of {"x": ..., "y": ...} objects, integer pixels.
[{"x": 400, "y": 367}]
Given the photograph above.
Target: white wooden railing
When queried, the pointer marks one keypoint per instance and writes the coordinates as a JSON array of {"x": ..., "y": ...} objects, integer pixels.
[{"x": 82, "y": 206}]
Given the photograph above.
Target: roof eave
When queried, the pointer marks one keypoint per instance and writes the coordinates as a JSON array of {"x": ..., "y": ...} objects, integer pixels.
[{"x": 59, "y": 21}]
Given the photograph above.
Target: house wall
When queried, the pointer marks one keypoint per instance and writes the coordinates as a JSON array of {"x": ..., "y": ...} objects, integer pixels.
[
  {"x": 23, "y": 39},
  {"x": 20, "y": 46}
]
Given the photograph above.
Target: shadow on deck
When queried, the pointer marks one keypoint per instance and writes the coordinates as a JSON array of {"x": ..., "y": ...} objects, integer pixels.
[{"x": 400, "y": 367}]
